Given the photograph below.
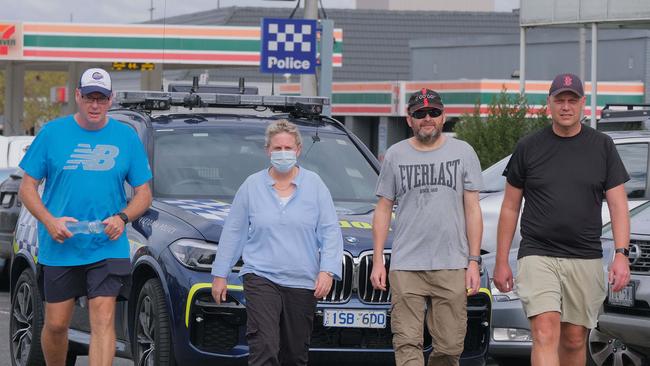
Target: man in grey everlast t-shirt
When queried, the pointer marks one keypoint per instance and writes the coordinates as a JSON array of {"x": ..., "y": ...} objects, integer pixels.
[{"x": 434, "y": 180}]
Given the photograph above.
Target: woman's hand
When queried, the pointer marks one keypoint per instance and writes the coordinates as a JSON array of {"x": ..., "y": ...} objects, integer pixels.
[{"x": 323, "y": 285}]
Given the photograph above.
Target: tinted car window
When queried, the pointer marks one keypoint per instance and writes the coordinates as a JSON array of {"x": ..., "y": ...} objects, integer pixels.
[
  {"x": 214, "y": 162},
  {"x": 635, "y": 159}
]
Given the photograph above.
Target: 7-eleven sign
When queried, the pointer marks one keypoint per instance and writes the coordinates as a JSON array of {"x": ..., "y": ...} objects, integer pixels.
[
  {"x": 7, "y": 32},
  {"x": 11, "y": 42}
]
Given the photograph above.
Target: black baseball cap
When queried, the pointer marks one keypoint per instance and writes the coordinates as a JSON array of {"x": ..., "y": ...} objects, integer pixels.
[
  {"x": 566, "y": 82},
  {"x": 424, "y": 98}
]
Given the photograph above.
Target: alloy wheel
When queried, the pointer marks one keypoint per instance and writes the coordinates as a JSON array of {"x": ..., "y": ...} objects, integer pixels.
[
  {"x": 21, "y": 328},
  {"x": 608, "y": 351},
  {"x": 146, "y": 334}
]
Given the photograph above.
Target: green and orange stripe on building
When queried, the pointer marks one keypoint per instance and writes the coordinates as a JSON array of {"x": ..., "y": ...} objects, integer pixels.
[
  {"x": 462, "y": 96},
  {"x": 459, "y": 96},
  {"x": 355, "y": 98},
  {"x": 221, "y": 45}
]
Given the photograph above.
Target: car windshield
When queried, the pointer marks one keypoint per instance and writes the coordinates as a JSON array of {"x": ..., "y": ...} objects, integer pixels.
[
  {"x": 639, "y": 218},
  {"x": 493, "y": 179},
  {"x": 214, "y": 162},
  {"x": 634, "y": 156}
]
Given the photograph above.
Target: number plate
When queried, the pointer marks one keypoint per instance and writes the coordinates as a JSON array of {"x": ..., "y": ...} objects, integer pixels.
[
  {"x": 625, "y": 297},
  {"x": 354, "y": 318}
]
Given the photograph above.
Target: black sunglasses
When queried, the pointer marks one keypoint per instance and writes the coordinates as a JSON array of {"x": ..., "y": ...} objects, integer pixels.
[{"x": 421, "y": 113}]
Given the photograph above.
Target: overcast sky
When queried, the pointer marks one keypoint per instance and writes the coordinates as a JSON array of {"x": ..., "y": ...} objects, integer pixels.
[{"x": 133, "y": 11}]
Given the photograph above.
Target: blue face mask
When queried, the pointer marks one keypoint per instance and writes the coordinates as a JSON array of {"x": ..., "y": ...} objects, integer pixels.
[{"x": 283, "y": 160}]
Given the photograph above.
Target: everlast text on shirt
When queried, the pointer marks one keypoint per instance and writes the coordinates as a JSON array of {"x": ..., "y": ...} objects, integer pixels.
[{"x": 423, "y": 175}]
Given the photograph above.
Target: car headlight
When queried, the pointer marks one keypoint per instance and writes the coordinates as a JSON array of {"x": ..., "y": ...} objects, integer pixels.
[
  {"x": 502, "y": 296},
  {"x": 194, "y": 254},
  {"x": 511, "y": 335}
]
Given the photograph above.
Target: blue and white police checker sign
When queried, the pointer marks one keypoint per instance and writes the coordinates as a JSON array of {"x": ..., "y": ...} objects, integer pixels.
[{"x": 288, "y": 46}]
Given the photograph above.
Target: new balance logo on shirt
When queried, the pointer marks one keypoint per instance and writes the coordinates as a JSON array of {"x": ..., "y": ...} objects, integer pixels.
[{"x": 101, "y": 158}]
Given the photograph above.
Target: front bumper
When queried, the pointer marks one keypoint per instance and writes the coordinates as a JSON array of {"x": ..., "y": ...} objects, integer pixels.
[
  {"x": 634, "y": 331},
  {"x": 201, "y": 330},
  {"x": 216, "y": 328},
  {"x": 220, "y": 329},
  {"x": 630, "y": 325},
  {"x": 204, "y": 331},
  {"x": 509, "y": 315}
]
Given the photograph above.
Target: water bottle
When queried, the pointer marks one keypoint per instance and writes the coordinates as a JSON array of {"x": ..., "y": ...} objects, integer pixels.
[{"x": 85, "y": 227}]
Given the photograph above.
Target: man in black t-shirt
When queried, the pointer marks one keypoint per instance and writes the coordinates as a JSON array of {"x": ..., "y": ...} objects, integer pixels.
[{"x": 563, "y": 171}]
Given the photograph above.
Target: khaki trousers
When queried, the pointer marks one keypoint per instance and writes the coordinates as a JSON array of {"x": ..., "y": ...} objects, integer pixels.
[{"x": 437, "y": 297}]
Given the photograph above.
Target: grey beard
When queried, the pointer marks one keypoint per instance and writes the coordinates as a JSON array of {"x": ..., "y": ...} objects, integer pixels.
[{"x": 428, "y": 139}]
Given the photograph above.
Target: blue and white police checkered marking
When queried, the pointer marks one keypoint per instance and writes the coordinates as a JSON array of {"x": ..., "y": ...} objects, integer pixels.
[
  {"x": 291, "y": 38},
  {"x": 27, "y": 233},
  {"x": 288, "y": 46},
  {"x": 209, "y": 209}
]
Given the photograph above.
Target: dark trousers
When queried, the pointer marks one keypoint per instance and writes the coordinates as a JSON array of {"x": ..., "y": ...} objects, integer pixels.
[{"x": 280, "y": 321}]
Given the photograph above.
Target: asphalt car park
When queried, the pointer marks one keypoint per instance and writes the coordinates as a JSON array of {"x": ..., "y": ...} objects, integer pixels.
[{"x": 199, "y": 159}]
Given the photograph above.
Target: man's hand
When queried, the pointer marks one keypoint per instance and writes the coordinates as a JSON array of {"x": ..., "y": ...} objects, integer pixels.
[
  {"x": 503, "y": 277},
  {"x": 619, "y": 272},
  {"x": 472, "y": 278},
  {"x": 57, "y": 229},
  {"x": 323, "y": 285},
  {"x": 378, "y": 275},
  {"x": 219, "y": 289},
  {"x": 114, "y": 227}
]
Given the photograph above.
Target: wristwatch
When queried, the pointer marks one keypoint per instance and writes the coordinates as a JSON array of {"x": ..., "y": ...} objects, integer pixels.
[
  {"x": 475, "y": 258},
  {"x": 330, "y": 274},
  {"x": 123, "y": 216},
  {"x": 624, "y": 251}
]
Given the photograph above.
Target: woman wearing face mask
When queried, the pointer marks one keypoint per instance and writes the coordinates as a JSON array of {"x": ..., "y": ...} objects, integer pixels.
[{"x": 284, "y": 226}]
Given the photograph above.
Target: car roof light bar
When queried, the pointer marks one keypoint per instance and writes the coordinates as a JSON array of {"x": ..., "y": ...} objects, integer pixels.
[{"x": 161, "y": 101}]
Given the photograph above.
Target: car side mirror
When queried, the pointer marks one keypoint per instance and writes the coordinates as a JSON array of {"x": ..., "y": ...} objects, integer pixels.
[{"x": 18, "y": 174}]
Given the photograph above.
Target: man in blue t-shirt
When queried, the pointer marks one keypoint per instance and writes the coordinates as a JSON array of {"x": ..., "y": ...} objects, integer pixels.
[{"x": 84, "y": 159}]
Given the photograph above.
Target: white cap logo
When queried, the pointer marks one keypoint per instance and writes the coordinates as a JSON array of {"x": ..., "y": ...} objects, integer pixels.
[{"x": 95, "y": 81}]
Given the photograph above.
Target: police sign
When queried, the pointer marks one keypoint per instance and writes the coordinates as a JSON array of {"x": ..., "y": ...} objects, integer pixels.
[{"x": 288, "y": 46}]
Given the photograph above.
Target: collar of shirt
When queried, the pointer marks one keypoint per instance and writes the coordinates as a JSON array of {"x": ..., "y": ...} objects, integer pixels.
[{"x": 297, "y": 180}]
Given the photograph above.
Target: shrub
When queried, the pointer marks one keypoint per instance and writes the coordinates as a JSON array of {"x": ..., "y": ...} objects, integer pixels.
[{"x": 495, "y": 136}]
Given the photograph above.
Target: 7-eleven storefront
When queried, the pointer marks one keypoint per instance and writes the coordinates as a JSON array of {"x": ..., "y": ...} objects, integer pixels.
[
  {"x": 74, "y": 47},
  {"x": 375, "y": 111}
]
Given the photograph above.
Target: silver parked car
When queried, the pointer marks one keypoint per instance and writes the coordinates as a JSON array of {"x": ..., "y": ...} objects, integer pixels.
[
  {"x": 623, "y": 333},
  {"x": 511, "y": 330}
]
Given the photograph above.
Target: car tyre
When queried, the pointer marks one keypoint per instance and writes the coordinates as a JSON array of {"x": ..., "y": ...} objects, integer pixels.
[
  {"x": 604, "y": 350},
  {"x": 152, "y": 336},
  {"x": 26, "y": 322}
]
